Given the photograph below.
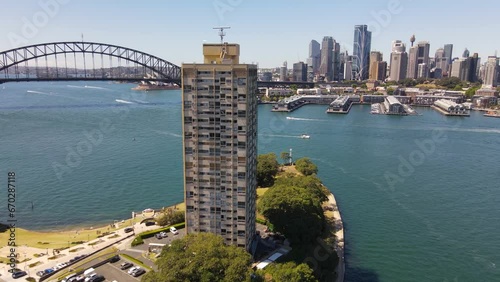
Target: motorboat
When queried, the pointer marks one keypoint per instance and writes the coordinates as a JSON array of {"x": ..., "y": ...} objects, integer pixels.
[{"x": 305, "y": 136}]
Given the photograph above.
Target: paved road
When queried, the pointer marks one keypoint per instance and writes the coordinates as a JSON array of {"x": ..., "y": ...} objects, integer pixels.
[{"x": 65, "y": 255}]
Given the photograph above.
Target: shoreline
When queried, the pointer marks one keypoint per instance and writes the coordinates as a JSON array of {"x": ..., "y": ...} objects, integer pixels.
[{"x": 339, "y": 237}]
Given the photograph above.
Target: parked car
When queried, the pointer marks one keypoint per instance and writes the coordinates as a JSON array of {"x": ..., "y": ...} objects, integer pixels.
[
  {"x": 132, "y": 269},
  {"x": 19, "y": 274},
  {"x": 135, "y": 270},
  {"x": 125, "y": 265},
  {"x": 149, "y": 223},
  {"x": 158, "y": 236},
  {"x": 174, "y": 230},
  {"x": 164, "y": 234},
  {"x": 97, "y": 278},
  {"x": 129, "y": 229},
  {"x": 114, "y": 259},
  {"x": 139, "y": 272}
]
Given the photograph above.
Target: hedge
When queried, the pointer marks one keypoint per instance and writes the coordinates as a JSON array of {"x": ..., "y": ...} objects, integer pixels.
[{"x": 139, "y": 239}]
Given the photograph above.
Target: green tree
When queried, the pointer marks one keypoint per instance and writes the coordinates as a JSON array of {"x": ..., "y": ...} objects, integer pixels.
[
  {"x": 306, "y": 166},
  {"x": 293, "y": 87},
  {"x": 448, "y": 82},
  {"x": 311, "y": 183},
  {"x": 458, "y": 87},
  {"x": 267, "y": 168},
  {"x": 289, "y": 271},
  {"x": 390, "y": 91},
  {"x": 170, "y": 217},
  {"x": 294, "y": 212},
  {"x": 285, "y": 156},
  {"x": 407, "y": 82},
  {"x": 201, "y": 257},
  {"x": 471, "y": 91}
]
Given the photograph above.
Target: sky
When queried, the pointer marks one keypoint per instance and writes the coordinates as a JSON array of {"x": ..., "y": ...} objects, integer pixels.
[{"x": 269, "y": 31}]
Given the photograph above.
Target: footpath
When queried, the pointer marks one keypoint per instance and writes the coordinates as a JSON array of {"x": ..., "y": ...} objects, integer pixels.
[{"x": 65, "y": 255}]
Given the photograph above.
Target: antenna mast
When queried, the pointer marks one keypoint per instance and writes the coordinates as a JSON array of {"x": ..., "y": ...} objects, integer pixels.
[{"x": 222, "y": 33}]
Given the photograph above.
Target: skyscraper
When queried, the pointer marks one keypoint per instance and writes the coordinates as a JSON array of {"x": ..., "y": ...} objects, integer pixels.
[
  {"x": 220, "y": 144},
  {"x": 399, "y": 61},
  {"x": 300, "y": 72},
  {"x": 361, "y": 51},
  {"x": 375, "y": 58},
  {"x": 412, "y": 63},
  {"x": 314, "y": 55},
  {"x": 284, "y": 72},
  {"x": 448, "y": 52},
  {"x": 441, "y": 60},
  {"x": 491, "y": 72},
  {"x": 423, "y": 57},
  {"x": 336, "y": 61},
  {"x": 326, "y": 67}
]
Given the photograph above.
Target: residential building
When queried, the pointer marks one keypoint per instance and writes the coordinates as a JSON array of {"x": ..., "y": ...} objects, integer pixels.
[{"x": 220, "y": 145}]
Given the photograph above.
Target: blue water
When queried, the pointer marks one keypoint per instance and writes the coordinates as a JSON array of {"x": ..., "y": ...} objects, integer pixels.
[{"x": 411, "y": 212}]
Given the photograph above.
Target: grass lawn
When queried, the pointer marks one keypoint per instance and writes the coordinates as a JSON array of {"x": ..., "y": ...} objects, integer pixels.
[{"x": 62, "y": 239}]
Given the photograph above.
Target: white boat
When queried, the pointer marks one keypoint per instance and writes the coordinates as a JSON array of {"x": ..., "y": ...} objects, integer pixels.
[{"x": 305, "y": 136}]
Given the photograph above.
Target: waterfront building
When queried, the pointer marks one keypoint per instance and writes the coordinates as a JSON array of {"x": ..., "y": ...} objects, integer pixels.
[
  {"x": 326, "y": 66},
  {"x": 491, "y": 70},
  {"x": 220, "y": 144},
  {"x": 450, "y": 108},
  {"x": 300, "y": 72},
  {"x": 361, "y": 52},
  {"x": 399, "y": 61}
]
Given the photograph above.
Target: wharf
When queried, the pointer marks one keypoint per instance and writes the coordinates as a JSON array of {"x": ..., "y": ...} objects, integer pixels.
[{"x": 443, "y": 112}]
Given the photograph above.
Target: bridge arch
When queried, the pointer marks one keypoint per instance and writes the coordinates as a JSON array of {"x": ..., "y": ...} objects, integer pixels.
[{"x": 165, "y": 70}]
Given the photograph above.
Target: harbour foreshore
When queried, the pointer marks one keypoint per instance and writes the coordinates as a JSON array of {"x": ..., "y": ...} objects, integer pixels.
[{"x": 339, "y": 237}]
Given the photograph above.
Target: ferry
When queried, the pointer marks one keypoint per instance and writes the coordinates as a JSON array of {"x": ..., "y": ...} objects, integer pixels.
[
  {"x": 492, "y": 114},
  {"x": 305, "y": 136}
]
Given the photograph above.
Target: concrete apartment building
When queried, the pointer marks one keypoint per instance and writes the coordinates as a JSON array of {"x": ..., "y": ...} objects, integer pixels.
[{"x": 220, "y": 144}]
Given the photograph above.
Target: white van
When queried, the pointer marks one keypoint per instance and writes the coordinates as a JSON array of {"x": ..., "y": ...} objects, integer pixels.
[{"x": 89, "y": 273}]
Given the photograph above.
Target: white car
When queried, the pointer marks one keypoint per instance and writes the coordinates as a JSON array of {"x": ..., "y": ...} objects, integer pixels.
[
  {"x": 174, "y": 230},
  {"x": 132, "y": 269}
]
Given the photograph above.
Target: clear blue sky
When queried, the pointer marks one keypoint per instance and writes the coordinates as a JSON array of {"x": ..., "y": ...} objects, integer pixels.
[{"x": 269, "y": 31}]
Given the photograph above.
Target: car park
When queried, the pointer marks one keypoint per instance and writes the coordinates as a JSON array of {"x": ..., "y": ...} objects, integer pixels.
[
  {"x": 158, "y": 236},
  {"x": 139, "y": 272},
  {"x": 174, "y": 230},
  {"x": 19, "y": 274},
  {"x": 125, "y": 265}
]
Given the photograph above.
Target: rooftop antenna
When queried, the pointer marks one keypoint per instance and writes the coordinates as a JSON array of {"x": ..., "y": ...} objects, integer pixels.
[{"x": 221, "y": 32}]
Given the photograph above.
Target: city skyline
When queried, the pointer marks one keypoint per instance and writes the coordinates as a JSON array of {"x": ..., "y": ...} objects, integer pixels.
[{"x": 155, "y": 29}]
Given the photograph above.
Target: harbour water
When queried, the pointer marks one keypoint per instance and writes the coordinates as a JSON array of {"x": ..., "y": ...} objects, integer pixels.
[{"x": 419, "y": 195}]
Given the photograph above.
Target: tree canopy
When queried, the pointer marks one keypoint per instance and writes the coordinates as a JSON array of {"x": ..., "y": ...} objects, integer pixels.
[
  {"x": 289, "y": 271},
  {"x": 267, "y": 168},
  {"x": 201, "y": 257},
  {"x": 170, "y": 217},
  {"x": 311, "y": 183},
  {"x": 293, "y": 211},
  {"x": 306, "y": 166}
]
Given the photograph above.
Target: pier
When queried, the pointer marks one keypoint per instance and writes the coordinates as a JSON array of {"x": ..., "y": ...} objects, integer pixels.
[
  {"x": 450, "y": 108},
  {"x": 343, "y": 104},
  {"x": 295, "y": 102}
]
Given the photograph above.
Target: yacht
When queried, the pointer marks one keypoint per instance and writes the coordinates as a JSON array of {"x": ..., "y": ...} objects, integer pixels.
[{"x": 305, "y": 136}]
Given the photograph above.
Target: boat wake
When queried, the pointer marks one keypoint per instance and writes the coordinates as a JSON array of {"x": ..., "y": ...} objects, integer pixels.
[
  {"x": 96, "y": 87},
  {"x": 474, "y": 130},
  {"x": 280, "y": 136},
  {"x": 305, "y": 119},
  {"x": 168, "y": 133},
  {"x": 37, "y": 92},
  {"x": 124, "y": 101}
]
